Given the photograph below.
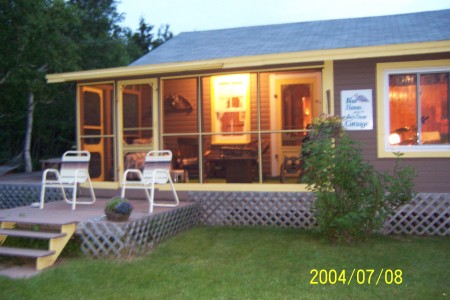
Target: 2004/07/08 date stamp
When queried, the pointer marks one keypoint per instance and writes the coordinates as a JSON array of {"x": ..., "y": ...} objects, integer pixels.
[{"x": 356, "y": 276}]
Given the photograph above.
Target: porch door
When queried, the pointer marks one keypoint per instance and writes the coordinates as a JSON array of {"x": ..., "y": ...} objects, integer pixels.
[
  {"x": 295, "y": 110},
  {"x": 137, "y": 130},
  {"x": 92, "y": 128}
]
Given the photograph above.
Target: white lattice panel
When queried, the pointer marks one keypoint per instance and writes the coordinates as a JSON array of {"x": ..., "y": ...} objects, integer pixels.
[
  {"x": 252, "y": 208},
  {"x": 102, "y": 238},
  {"x": 427, "y": 214}
]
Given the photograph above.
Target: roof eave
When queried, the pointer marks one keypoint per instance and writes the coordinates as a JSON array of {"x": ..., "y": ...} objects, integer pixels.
[
  {"x": 256, "y": 61},
  {"x": 129, "y": 71}
]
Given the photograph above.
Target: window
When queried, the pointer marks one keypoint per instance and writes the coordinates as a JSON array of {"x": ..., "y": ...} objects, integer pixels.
[
  {"x": 416, "y": 109},
  {"x": 230, "y": 109}
]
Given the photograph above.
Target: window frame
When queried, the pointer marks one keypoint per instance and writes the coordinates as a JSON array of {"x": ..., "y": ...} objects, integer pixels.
[{"x": 385, "y": 150}]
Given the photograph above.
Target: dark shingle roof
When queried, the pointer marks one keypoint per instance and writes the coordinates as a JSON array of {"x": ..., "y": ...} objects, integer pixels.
[{"x": 305, "y": 36}]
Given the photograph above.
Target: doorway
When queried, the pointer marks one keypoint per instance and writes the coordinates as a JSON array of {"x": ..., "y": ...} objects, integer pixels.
[
  {"x": 137, "y": 134},
  {"x": 96, "y": 129},
  {"x": 297, "y": 101}
]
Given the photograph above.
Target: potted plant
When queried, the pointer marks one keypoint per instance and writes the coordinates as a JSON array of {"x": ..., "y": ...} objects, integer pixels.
[{"x": 118, "y": 209}]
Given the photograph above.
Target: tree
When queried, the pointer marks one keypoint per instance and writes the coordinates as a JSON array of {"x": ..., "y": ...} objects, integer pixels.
[
  {"x": 53, "y": 36},
  {"x": 102, "y": 42},
  {"x": 163, "y": 36},
  {"x": 37, "y": 40},
  {"x": 143, "y": 40}
]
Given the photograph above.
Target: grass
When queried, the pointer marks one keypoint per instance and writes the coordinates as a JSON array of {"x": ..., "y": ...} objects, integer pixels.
[{"x": 248, "y": 263}]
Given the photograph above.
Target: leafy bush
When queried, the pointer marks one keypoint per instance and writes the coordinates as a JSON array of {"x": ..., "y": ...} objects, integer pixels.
[{"x": 353, "y": 199}]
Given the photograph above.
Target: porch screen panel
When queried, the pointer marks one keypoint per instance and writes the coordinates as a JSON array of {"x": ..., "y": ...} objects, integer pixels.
[
  {"x": 180, "y": 132},
  {"x": 137, "y": 115},
  {"x": 96, "y": 129},
  {"x": 180, "y": 98}
]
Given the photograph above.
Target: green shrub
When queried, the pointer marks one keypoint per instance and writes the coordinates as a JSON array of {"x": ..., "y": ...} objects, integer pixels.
[{"x": 352, "y": 198}]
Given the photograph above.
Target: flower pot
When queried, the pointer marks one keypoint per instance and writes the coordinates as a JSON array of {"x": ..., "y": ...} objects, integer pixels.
[{"x": 116, "y": 217}]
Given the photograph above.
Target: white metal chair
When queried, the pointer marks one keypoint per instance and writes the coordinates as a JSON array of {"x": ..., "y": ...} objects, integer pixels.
[
  {"x": 156, "y": 171},
  {"x": 74, "y": 170}
]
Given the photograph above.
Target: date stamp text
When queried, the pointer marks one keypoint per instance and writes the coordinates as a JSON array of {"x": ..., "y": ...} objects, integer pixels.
[{"x": 356, "y": 276}]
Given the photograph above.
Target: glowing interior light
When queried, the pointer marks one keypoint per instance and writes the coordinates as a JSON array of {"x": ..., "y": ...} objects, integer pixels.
[{"x": 394, "y": 139}]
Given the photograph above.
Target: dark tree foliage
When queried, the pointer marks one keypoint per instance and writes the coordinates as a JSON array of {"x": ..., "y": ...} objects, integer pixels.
[
  {"x": 143, "y": 40},
  {"x": 41, "y": 37}
]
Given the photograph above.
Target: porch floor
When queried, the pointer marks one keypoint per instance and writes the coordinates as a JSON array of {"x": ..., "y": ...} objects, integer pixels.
[{"x": 61, "y": 212}]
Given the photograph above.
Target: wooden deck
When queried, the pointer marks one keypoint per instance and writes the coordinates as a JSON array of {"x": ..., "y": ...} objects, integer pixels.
[
  {"x": 22, "y": 178},
  {"x": 97, "y": 237},
  {"x": 61, "y": 212}
]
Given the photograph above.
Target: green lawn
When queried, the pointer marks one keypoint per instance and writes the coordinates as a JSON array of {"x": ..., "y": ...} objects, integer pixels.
[{"x": 250, "y": 263}]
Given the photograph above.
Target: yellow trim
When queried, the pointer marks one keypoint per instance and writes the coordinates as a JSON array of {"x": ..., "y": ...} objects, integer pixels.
[
  {"x": 217, "y": 187},
  {"x": 6, "y": 225},
  {"x": 237, "y": 187},
  {"x": 95, "y": 87},
  {"x": 328, "y": 85},
  {"x": 283, "y": 151},
  {"x": 107, "y": 185},
  {"x": 57, "y": 245},
  {"x": 121, "y": 149},
  {"x": 255, "y": 61},
  {"x": 100, "y": 146},
  {"x": 132, "y": 71},
  {"x": 261, "y": 70},
  {"x": 381, "y": 94}
]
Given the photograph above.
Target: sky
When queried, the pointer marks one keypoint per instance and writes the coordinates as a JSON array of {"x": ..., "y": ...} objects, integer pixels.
[{"x": 199, "y": 15}]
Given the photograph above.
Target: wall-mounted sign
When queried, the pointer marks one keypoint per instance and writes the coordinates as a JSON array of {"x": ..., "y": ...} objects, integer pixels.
[{"x": 356, "y": 109}]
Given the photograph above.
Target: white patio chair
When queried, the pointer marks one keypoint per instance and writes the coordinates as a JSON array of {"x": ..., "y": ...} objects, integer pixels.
[
  {"x": 74, "y": 170},
  {"x": 156, "y": 171}
]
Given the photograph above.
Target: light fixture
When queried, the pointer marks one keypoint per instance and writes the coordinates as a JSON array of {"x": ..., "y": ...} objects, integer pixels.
[{"x": 394, "y": 139}]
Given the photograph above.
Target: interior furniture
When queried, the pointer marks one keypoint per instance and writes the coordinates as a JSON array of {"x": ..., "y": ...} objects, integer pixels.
[
  {"x": 238, "y": 163},
  {"x": 188, "y": 159},
  {"x": 291, "y": 168}
]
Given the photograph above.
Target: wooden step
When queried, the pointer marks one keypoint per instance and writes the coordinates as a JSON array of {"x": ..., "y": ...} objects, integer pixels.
[
  {"x": 32, "y": 234},
  {"x": 22, "y": 252},
  {"x": 57, "y": 240},
  {"x": 37, "y": 221}
]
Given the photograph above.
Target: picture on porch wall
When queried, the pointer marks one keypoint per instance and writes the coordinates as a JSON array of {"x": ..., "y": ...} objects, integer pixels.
[{"x": 230, "y": 109}]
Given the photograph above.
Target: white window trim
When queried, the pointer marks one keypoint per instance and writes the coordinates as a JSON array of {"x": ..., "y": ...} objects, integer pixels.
[{"x": 385, "y": 150}]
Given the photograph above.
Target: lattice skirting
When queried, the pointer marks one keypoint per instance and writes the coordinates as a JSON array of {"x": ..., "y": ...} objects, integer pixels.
[
  {"x": 100, "y": 238},
  {"x": 253, "y": 208},
  {"x": 426, "y": 214},
  {"x": 15, "y": 195}
]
